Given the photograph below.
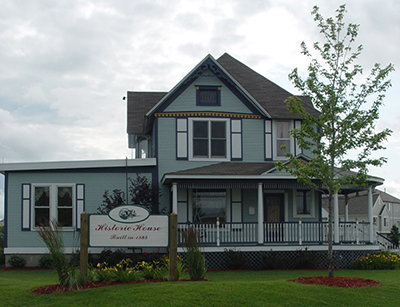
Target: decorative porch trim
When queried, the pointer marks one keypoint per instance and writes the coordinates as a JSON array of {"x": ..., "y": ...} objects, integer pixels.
[
  {"x": 207, "y": 114},
  {"x": 285, "y": 185},
  {"x": 217, "y": 185}
]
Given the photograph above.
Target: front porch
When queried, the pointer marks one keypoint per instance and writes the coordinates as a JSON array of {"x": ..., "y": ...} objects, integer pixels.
[{"x": 228, "y": 234}]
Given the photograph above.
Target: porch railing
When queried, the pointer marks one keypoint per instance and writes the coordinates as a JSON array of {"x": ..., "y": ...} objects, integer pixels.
[{"x": 229, "y": 233}]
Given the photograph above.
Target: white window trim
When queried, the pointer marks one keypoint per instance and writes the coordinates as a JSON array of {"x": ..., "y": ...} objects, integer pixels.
[
  {"x": 53, "y": 203},
  {"x": 312, "y": 205},
  {"x": 228, "y": 139},
  {"x": 275, "y": 139}
]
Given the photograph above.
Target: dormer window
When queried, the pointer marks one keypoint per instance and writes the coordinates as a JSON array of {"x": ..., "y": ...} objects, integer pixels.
[{"x": 208, "y": 95}]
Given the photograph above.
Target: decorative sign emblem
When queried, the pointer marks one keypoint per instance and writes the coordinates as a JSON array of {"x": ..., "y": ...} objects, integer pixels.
[{"x": 129, "y": 214}]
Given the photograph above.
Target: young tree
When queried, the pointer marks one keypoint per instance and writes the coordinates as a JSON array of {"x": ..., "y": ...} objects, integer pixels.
[{"x": 348, "y": 113}]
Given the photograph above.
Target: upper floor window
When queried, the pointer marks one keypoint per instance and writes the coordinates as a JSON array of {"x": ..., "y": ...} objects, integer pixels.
[
  {"x": 208, "y": 95},
  {"x": 283, "y": 141},
  {"x": 209, "y": 139},
  {"x": 53, "y": 202}
]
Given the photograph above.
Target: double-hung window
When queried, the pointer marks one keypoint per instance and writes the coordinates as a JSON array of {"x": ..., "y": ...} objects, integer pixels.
[
  {"x": 53, "y": 202},
  {"x": 209, "y": 139},
  {"x": 283, "y": 139},
  {"x": 304, "y": 203},
  {"x": 303, "y": 200}
]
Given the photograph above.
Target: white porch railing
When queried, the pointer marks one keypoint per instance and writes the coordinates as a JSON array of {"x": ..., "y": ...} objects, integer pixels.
[{"x": 285, "y": 232}]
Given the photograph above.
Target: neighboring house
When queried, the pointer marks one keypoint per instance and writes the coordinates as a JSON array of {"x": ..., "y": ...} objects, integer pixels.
[
  {"x": 386, "y": 210},
  {"x": 210, "y": 144}
]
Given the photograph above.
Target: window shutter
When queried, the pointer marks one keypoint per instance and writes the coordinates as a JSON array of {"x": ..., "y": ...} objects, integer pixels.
[
  {"x": 26, "y": 207},
  {"x": 268, "y": 139},
  {"x": 236, "y": 140},
  {"x": 80, "y": 203},
  {"x": 181, "y": 139},
  {"x": 297, "y": 125}
]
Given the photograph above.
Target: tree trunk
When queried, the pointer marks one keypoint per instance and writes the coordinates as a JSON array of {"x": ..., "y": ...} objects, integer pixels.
[{"x": 330, "y": 237}]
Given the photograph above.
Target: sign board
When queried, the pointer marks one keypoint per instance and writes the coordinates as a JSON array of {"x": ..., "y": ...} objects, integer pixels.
[{"x": 128, "y": 226}]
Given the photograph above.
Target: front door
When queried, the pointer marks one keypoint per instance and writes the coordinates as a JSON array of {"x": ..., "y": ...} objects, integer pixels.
[{"x": 273, "y": 216}]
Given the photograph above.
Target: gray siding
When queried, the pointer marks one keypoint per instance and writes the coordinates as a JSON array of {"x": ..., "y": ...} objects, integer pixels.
[
  {"x": 95, "y": 185},
  {"x": 187, "y": 100}
]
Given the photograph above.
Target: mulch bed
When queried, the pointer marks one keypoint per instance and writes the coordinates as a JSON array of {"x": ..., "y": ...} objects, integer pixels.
[{"x": 345, "y": 282}]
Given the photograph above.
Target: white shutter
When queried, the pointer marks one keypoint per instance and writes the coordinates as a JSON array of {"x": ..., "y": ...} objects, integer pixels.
[
  {"x": 268, "y": 140},
  {"x": 297, "y": 125},
  {"x": 181, "y": 138},
  {"x": 26, "y": 207},
  {"x": 236, "y": 132},
  {"x": 80, "y": 203}
]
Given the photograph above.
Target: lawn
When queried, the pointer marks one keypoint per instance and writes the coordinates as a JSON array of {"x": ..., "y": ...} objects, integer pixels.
[{"x": 237, "y": 288}]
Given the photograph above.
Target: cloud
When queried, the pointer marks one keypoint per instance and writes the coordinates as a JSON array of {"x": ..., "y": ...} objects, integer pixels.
[{"x": 64, "y": 66}]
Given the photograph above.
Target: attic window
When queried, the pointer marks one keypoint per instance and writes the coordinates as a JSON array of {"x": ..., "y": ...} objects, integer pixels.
[{"x": 208, "y": 95}]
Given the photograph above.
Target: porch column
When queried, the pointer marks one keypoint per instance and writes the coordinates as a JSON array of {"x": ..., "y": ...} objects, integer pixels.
[
  {"x": 175, "y": 197},
  {"x": 370, "y": 216},
  {"x": 336, "y": 217},
  {"x": 260, "y": 214},
  {"x": 346, "y": 208}
]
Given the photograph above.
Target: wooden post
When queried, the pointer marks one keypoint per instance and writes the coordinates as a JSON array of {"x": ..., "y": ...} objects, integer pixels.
[
  {"x": 173, "y": 247},
  {"x": 84, "y": 245}
]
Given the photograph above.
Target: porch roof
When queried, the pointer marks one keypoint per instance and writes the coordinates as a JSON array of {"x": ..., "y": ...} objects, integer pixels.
[{"x": 247, "y": 175}]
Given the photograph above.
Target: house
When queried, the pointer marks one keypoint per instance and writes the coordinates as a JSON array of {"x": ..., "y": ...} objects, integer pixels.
[
  {"x": 210, "y": 145},
  {"x": 386, "y": 210}
]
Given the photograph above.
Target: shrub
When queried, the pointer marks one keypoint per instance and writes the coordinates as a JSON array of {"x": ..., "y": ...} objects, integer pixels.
[
  {"x": 305, "y": 260},
  {"x": 394, "y": 235},
  {"x": 17, "y": 261},
  {"x": 272, "y": 261},
  {"x": 46, "y": 261},
  {"x": 195, "y": 258},
  {"x": 235, "y": 259},
  {"x": 378, "y": 261},
  {"x": 2, "y": 257}
]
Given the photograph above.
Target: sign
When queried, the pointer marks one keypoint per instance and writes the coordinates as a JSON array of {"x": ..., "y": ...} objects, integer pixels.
[{"x": 128, "y": 226}]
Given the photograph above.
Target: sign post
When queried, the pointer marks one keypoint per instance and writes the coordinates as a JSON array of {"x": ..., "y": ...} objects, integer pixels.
[
  {"x": 173, "y": 247},
  {"x": 84, "y": 245}
]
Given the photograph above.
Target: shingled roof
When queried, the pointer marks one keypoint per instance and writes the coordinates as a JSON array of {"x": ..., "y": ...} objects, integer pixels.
[
  {"x": 138, "y": 105},
  {"x": 267, "y": 94},
  {"x": 359, "y": 204}
]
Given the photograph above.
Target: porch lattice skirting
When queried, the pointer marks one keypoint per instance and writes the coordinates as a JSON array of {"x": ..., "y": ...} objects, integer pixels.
[{"x": 266, "y": 260}]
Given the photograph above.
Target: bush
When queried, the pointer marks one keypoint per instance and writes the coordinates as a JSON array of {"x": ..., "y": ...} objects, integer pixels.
[
  {"x": 305, "y": 260},
  {"x": 46, "y": 261},
  {"x": 2, "y": 257},
  {"x": 272, "y": 261},
  {"x": 236, "y": 260},
  {"x": 195, "y": 258},
  {"x": 378, "y": 261},
  {"x": 17, "y": 261},
  {"x": 394, "y": 235}
]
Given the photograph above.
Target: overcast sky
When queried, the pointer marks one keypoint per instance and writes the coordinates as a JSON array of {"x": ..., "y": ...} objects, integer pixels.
[{"x": 65, "y": 65}]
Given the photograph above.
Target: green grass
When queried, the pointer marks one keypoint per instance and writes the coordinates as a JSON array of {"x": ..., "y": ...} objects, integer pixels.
[{"x": 240, "y": 288}]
